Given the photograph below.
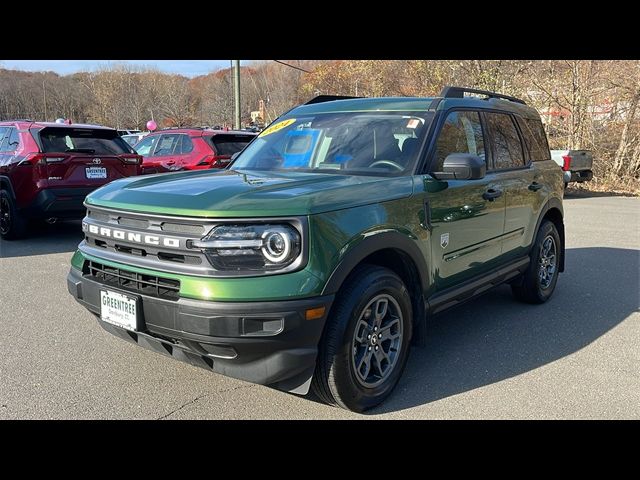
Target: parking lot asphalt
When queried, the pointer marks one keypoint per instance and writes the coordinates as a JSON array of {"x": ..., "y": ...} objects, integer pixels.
[{"x": 575, "y": 357}]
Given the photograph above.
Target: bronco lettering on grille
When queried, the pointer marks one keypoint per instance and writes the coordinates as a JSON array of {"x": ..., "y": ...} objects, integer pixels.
[{"x": 155, "y": 240}]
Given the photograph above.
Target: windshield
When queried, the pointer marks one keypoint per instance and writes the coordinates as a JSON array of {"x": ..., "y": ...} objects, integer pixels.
[{"x": 357, "y": 143}]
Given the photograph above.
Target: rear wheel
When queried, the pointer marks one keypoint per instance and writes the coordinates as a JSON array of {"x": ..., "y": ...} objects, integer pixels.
[
  {"x": 12, "y": 224},
  {"x": 539, "y": 280},
  {"x": 365, "y": 345}
]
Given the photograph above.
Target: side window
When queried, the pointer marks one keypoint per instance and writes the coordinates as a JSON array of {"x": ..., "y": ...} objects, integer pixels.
[
  {"x": 535, "y": 139},
  {"x": 166, "y": 145},
  {"x": 507, "y": 147},
  {"x": 145, "y": 146},
  {"x": 14, "y": 140},
  {"x": 460, "y": 133},
  {"x": 187, "y": 144},
  {"x": 3, "y": 137}
]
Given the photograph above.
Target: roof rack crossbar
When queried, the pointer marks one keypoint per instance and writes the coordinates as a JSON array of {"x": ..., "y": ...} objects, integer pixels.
[
  {"x": 328, "y": 98},
  {"x": 458, "y": 92}
]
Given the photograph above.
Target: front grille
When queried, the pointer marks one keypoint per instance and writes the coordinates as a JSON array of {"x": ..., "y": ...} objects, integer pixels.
[
  {"x": 183, "y": 228},
  {"x": 150, "y": 285}
]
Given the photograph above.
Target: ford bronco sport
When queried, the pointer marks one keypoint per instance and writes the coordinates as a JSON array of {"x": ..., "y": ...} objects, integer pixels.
[
  {"x": 318, "y": 257},
  {"x": 46, "y": 169}
]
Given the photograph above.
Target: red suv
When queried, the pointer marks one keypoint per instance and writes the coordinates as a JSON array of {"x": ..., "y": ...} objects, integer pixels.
[
  {"x": 47, "y": 169},
  {"x": 190, "y": 149}
]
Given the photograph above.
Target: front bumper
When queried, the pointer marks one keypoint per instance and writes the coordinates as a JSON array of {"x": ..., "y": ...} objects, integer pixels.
[
  {"x": 269, "y": 343},
  {"x": 59, "y": 202}
]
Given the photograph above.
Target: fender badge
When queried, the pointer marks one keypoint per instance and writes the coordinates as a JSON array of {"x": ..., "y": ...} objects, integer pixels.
[{"x": 444, "y": 240}]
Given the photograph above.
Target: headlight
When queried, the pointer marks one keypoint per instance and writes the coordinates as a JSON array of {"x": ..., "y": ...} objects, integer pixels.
[{"x": 266, "y": 248}]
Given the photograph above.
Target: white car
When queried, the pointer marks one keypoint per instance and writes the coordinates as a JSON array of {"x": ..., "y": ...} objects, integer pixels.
[{"x": 134, "y": 138}]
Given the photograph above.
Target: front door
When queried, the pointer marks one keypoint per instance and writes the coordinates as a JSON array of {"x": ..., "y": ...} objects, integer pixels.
[{"x": 466, "y": 216}]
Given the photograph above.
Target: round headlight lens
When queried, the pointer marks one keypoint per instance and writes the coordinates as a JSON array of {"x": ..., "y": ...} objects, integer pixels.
[{"x": 277, "y": 245}]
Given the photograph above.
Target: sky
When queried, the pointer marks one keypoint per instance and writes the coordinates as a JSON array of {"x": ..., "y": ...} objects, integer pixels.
[{"x": 188, "y": 68}]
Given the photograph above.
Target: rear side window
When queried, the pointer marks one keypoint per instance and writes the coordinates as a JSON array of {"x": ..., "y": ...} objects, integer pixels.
[
  {"x": 230, "y": 144},
  {"x": 167, "y": 145},
  {"x": 460, "y": 133},
  {"x": 535, "y": 140},
  {"x": 82, "y": 140},
  {"x": 186, "y": 145},
  {"x": 505, "y": 141}
]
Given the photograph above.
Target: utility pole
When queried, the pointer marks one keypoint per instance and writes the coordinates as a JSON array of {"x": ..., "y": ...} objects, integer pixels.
[
  {"x": 44, "y": 98},
  {"x": 236, "y": 94}
]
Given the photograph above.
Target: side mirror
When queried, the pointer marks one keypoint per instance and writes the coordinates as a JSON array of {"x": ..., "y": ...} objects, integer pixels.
[{"x": 462, "y": 166}]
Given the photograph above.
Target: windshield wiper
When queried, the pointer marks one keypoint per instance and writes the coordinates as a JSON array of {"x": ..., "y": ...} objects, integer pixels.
[{"x": 81, "y": 150}]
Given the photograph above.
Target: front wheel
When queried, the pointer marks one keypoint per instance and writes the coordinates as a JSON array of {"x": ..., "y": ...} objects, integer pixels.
[
  {"x": 539, "y": 280},
  {"x": 365, "y": 345}
]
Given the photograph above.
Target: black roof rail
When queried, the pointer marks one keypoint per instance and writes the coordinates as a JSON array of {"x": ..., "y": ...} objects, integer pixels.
[
  {"x": 458, "y": 92},
  {"x": 328, "y": 98}
]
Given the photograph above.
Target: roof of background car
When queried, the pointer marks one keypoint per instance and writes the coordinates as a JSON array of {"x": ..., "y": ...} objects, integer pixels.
[
  {"x": 203, "y": 131},
  {"x": 27, "y": 124},
  {"x": 412, "y": 104}
]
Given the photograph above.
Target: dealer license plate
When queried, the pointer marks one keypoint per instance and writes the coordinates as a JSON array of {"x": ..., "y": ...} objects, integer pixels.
[
  {"x": 118, "y": 309},
  {"x": 96, "y": 172}
]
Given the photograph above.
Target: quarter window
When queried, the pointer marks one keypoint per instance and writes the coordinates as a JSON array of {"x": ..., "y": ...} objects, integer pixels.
[
  {"x": 506, "y": 144},
  {"x": 187, "y": 145},
  {"x": 460, "y": 133},
  {"x": 535, "y": 140}
]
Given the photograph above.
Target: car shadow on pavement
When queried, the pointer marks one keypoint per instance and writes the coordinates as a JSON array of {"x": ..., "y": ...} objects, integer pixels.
[
  {"x": 44, "y": 239},
  {"x": 495, "y": 337},
  {"x": 584, "y": 193}
]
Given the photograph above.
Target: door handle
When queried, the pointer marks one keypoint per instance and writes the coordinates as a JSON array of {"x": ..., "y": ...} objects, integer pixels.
[
  {"x": 535, "y": 186},
  {"x": 491, "y": 194}
]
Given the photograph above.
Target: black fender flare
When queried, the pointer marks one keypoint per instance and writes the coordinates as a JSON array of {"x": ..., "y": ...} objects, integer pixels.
[
  {"x": 5, "y": 184},
  {"x": 552, "y": 203},
  {"x": 371, "y": 244}
]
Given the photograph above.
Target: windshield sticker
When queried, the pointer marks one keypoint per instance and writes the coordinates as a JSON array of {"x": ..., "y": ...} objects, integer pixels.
[
  {"x": 278, "y": 126},
  {"x": 413, "y": 123}
]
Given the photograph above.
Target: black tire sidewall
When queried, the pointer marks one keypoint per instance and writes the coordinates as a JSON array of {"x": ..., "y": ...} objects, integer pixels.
[
  {"x": 547, "y": 228},
  {"x": 16, "y": 227},
  {"x": 349, "y": 391}
]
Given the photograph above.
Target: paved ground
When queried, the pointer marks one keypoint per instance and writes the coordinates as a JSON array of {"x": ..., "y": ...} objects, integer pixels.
[{"x": 578, "y": 356}]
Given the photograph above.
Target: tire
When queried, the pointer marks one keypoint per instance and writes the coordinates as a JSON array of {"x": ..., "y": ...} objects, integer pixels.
[
  {"x": 348, "y": 340},
  {"x": 12, "y": 225},
  {"x": 536, "y": 286}
]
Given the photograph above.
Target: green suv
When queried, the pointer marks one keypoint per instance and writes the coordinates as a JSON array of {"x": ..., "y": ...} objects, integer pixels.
[{"x": 321, "y": 254}]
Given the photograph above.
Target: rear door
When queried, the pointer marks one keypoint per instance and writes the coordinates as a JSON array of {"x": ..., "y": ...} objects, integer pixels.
[
  {"x": 84, "y": 156},
  {"x": 183, "y": 152},
  {"x": 466, "y": 216},
  {"x": 511, "y": 167}
]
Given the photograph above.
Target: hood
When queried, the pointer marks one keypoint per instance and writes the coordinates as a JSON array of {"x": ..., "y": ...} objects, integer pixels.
[{"x": 231, "y": 193}]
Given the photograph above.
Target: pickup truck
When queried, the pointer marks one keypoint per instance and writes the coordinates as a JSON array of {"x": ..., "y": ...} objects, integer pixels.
[{"x": 576, "y": 165}]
